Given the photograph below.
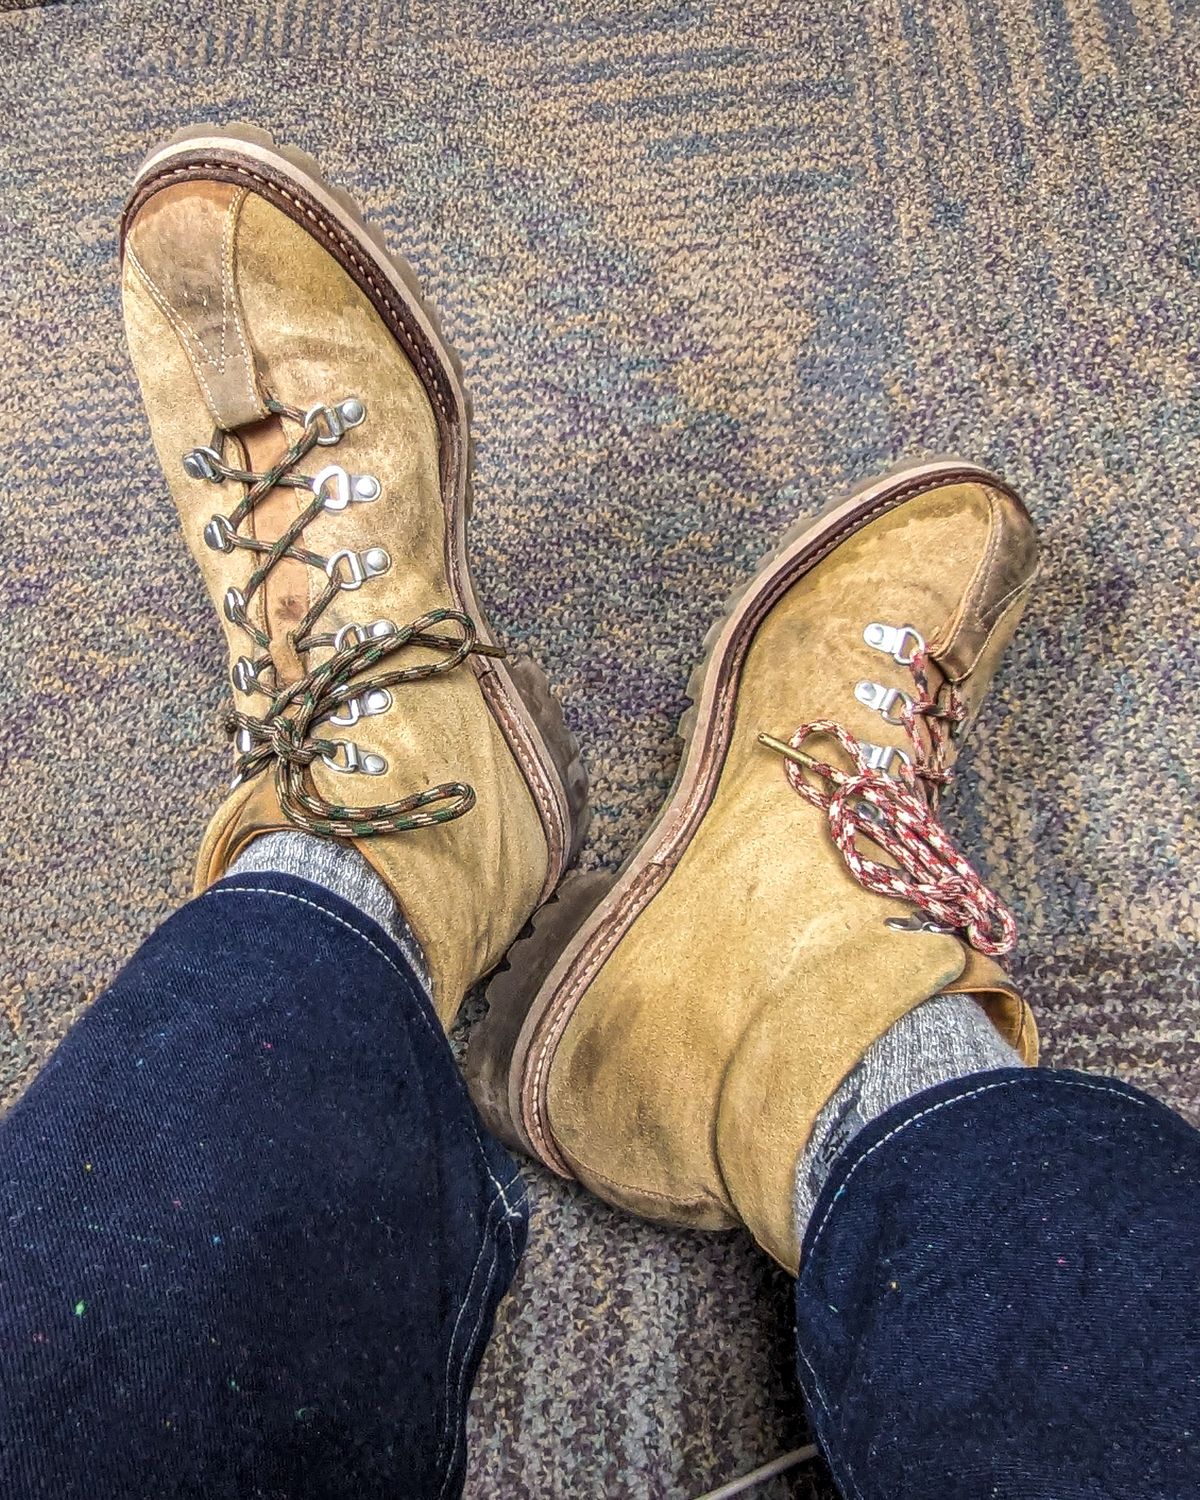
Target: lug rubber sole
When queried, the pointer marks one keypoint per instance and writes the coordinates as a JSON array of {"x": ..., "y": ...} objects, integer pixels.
[
  {"x": 548, "y": 970},
  {"x": 517, "y": 691}
]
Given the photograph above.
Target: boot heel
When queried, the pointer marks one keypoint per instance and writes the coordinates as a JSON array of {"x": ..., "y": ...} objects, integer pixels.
[{"x": 492, "y": 1048}]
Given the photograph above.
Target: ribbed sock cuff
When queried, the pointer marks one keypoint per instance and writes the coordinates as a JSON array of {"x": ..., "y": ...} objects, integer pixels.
[
  {"x": 947, "y": 1037},
  {"x": 340, "y": 868}
]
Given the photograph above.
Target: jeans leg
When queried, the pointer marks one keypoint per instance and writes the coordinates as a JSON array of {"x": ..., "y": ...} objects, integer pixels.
[
  {"x": 999, "y": 1296},
  {"x": 252, "y": 1234}
]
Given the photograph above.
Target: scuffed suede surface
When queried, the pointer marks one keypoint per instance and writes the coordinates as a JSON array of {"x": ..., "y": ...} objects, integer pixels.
[
  {"x": 999, "y": 1296},
  {"x": 707, "y": 265},
  {"x": 310, "y": 327},
  {"x": 702, "y": 1049}
]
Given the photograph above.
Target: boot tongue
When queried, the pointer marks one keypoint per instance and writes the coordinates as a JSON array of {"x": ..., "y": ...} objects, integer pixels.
[
  {"x": 983, "y": 978},
  {"x": 284, "y": 599},
  {"x": 250, "y": 810}
]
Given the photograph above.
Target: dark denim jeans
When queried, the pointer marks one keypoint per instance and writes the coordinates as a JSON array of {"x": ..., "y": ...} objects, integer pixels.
[
  {"x": 1000, "y": 1296},
  {"x": 252, "y": 1237},
  {"x": 252, "y": 1241}
]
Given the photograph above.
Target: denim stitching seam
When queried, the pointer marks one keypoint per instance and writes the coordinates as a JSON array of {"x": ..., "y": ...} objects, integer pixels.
[
  {"x": 834, "y": 1454},
  {"x": 943, "y": 1104},
  {"x": 261, "y": 890},
  {"x": 486, "y": 1242},
  {"x": 491, "y": 1240}
]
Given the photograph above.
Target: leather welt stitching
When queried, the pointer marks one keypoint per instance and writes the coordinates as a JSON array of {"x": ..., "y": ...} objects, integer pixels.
[
  {"x": 197, "y": 355},
  {"x": 333, "y": 231},
  {"x": 647, "y": 883},
  {"x": 229, "y": 291}
]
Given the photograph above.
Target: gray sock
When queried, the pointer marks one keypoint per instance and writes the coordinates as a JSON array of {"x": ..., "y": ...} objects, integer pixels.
[
  {"x": 947, "y": 1037},
  {"x": 339, "y": 868}
]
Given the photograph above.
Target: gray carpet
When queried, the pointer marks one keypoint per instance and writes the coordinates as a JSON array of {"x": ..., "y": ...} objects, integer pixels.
[{"x": 707, "y": 264}]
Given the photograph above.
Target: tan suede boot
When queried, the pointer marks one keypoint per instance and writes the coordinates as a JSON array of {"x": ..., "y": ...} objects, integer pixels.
[
  {"x": 313, "y": 427},
  {"x": 670, "y": 1038}
]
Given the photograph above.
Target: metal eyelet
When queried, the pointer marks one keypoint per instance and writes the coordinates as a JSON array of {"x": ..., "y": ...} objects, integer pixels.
[
  {"x": 245, "y": 678},
  {"x": 218, "y": 534},
  {"x": 893, "y": 639},
  {"x": 881, "y": 757},
  {"x": 243, "y": 742},
  {"x": 201, "y": 463},
  {"x": 337, "y": 488},
  {"x": 361, "y": 565},
  {"x": 883, "y": 700},
  {"x": 234, "y": 606},
  {"x": 364, "y": 706},
  {"x": 337, "y": 418},
  {"x": 355, "y": 634},
  {"x": 348, "y": 758},
  {"x": 916, "y": 923}
]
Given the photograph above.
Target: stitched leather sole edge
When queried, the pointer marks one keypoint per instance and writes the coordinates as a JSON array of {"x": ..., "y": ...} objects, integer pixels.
[
  {"x": 532, "y": 999},
  {"x": 517, "y": 693}
]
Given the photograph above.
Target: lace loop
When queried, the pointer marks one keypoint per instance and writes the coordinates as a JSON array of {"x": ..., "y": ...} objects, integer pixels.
[
  {"x": 898, "y": 815},
  {"x": 287, "y": 735}
]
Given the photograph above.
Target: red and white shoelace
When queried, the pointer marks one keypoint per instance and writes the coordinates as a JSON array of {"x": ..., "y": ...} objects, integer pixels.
[{"x": 898, "y": 815}]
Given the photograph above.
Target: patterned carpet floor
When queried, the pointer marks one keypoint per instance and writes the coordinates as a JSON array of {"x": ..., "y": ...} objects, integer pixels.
[{"x": 707, "y": 265}]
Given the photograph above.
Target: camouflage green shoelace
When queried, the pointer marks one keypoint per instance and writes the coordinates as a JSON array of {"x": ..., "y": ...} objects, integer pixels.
[{"x": 284, "y": 735}]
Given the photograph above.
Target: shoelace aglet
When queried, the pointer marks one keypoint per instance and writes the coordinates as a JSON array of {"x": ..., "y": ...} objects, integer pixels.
[
  {"x": 864, "y": 810},
  {"x": 443, "y": 643},
  {"x": 789, "y": 752}
]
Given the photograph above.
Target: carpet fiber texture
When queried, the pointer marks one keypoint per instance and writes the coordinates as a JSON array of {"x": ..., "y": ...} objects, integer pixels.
[{"x": 707, "y": 265}]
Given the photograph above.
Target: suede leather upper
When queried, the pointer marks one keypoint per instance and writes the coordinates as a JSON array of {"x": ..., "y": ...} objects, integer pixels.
[
  {"x": 207, "y": 267},
  {"x": 689, "y": 1077}
]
